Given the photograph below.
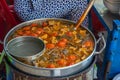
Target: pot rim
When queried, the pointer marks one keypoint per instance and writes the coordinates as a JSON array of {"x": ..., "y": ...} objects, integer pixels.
[{"x": 43, "y": 19}]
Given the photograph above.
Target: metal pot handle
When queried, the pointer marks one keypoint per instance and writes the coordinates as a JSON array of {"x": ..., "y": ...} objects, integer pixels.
[{"x": 101, "y": 38}]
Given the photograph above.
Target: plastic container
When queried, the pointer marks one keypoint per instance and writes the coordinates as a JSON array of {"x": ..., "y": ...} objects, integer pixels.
[{"x": 117, "y": 77}]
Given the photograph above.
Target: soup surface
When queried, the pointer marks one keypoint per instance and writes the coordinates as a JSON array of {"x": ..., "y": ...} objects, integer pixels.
[{"x": 64, "y": 46}]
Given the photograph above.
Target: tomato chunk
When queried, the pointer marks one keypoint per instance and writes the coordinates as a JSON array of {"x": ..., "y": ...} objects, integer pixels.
[
  {"x": 34, "y": 24},
  {"x": 50, "y": 46},
  {"x": 72, "y": 57},
  {"x": 70, "y": 63},
  {"x": 55, "y": 34},
  {"x": 27, "y": 28},
  {"x": 62, "y": 62},
  {"x": 64, "y": 40},
  {"x": 51, "y": 66},
  {"x": 61, "y": 44},
  {"x": 69, "y": 33},
  {"x": 88, "y": 43}
]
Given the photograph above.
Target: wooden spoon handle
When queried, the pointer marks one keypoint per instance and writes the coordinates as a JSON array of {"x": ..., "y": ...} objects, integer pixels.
[{"x": 81, "y": 19}]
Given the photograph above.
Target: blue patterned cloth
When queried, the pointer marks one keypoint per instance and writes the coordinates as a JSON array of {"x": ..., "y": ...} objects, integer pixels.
[{"x": 34, "y": 9}]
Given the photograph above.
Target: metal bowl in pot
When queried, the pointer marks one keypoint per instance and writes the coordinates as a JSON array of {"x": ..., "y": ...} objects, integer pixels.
[
  {"x": 27, "y": 48},
  {"x": 52, "y": 72}
]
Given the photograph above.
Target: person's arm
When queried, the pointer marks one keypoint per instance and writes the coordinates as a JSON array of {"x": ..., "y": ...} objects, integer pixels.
[{"x": 27, "y": 10}]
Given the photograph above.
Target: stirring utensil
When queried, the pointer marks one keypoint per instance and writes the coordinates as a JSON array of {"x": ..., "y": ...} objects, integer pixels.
[{"x": 81, "y": 19}]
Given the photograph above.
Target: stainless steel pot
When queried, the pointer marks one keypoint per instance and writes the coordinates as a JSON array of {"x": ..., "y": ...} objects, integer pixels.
[{"x": 52, "y": 72}]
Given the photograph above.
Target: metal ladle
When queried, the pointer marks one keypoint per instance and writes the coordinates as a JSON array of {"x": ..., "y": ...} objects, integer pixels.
[{"x": 83, "y": 16}]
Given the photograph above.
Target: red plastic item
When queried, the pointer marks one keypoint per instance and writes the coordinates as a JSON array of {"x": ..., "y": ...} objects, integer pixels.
[
  {"x": 96, "y": 24},
  {"x": 8, "y": 19}
]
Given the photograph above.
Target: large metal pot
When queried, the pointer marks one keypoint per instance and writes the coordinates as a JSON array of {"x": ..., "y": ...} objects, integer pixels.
[{"x": 51, "y": 72}]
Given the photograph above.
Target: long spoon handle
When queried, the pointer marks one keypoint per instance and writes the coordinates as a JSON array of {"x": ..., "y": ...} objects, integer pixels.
[{"x": 81, "y": 19}]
